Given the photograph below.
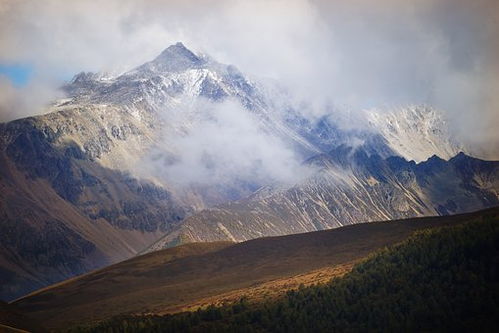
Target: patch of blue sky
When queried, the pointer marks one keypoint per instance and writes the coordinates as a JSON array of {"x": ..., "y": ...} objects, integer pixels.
[{"x": 18, "y": 74}]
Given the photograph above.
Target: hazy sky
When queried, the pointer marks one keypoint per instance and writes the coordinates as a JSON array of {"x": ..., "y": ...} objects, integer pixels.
[{"x": 358, "y": 53}]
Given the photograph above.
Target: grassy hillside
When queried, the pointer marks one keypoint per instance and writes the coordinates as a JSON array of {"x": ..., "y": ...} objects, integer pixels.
[
  {"x": 12, "y": 320},
  {"x": 146, "y": 286},
  {"x": 444, "y": 279}
]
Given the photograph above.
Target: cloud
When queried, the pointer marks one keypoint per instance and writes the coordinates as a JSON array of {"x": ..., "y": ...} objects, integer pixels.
[
  {"x": 358, "y": 53},
  {"x": 29, "y": 100},
  {"x": 222, "y": 145}
]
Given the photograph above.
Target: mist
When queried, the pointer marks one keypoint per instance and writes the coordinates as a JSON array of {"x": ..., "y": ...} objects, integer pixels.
[
  {"x": 29, "y": 100},
  {"x": 361, "y": 54},
  {"x": 222, "y": 144}
]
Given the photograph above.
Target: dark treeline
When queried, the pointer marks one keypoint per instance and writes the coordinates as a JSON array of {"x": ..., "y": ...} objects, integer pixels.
[{"x": 438, "y": 280}]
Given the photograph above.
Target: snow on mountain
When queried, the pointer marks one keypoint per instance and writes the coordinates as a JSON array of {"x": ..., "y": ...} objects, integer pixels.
[
  {"x": 178, "y": 77},
  {"x": 176, "y": 72},
  {"x": 415, "y": 132}
]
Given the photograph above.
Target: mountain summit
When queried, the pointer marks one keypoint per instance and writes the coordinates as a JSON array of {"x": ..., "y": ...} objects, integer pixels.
[
  {"x": 175, "y": 58},
  {"x": 177, "y": 52}
]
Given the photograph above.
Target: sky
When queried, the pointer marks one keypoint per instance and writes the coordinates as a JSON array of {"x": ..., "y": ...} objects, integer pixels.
[
  {"x": 18, "y": 75},
  {"x": 359, "y": 53}
]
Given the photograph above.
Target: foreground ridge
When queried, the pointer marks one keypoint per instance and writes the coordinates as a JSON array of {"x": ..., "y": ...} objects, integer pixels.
[
  {"x": 154, "y": 283},
  {"x": 443, "y": 279}
]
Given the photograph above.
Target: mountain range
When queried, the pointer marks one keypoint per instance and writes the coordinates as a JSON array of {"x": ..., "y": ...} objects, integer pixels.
[{"x": 88, "y": 183}]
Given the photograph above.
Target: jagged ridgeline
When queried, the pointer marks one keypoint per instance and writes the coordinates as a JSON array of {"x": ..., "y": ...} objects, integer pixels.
[
  {"x": 77, "y": 191},
  {"x": 442, "y": 279}
]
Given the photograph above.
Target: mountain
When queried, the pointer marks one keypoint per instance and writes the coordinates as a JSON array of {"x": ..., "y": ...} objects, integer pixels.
[
  {"x": 63, "y": 212},
  {"x": 70, "y": 201},
  {"x": 171, "y": 280},
  {"x": 84, "y": 185},
  {"x": 415, "y": 132},
  {"x": 350, "y": 187},
  {"x": 72, "y": 198}
]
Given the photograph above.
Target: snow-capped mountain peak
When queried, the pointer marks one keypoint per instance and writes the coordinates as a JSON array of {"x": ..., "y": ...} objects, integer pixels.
[{"x": 174, "y": 58}]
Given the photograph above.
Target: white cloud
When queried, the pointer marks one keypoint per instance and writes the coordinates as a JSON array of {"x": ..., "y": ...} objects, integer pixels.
[
  {"x": 223, "y": 145},
  {"x": 25, "y": 101}
]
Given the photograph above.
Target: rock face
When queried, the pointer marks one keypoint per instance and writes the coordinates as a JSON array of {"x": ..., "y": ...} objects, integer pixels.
[
  {"x": 349, "y": 187},
  {"x": 415, "y": 132},
  {"x": 63, "y": 213},
  {"x": 74, "y": 194}
]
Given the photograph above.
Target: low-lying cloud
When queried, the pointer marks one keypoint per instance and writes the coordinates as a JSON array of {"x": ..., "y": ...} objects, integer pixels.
[{"x": 223, "y": 144}]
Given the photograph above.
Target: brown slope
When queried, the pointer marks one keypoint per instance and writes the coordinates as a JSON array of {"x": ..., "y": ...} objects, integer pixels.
[
  {"x": 272, "y": 289},
  {"x": 12, "y": 320},
  {"x": 141, "y": 263},
  {"x": 135, "y": 286},
  {"x": 45, "y": 238}
]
